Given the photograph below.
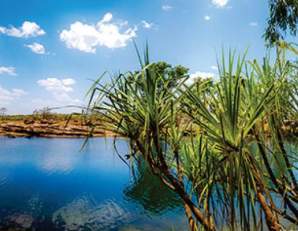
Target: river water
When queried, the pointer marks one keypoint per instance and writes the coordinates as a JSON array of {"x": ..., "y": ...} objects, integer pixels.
[{"x": 51, "y": 184}]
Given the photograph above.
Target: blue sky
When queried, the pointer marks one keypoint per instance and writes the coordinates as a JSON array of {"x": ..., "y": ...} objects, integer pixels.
[{"x": 50, "y": 49}]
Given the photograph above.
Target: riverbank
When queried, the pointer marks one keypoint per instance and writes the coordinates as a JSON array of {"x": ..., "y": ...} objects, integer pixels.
[
  {"x": 64, "y": 126},
  {"x": 60, "y": 126}
]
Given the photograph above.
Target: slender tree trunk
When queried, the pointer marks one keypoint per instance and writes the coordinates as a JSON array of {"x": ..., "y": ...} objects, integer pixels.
[
  {"x": 271, "y": 219},
  {"x": 205, "y": 221},
  {"x": 279, "y": 187},
  {"x": 174, "y": 184},
  {"x": 191, "y": 221},
  {"x": 188, "y": 213},
  {"x": 284, "y": 153}
]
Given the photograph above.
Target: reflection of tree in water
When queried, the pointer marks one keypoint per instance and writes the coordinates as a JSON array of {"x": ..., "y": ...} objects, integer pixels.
[{"x": 150, "y": 192}]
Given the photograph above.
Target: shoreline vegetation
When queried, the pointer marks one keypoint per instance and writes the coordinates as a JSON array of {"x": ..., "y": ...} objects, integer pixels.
[
  {"x": 219, "y": 143},
  {"x": 67, "y": 126}
]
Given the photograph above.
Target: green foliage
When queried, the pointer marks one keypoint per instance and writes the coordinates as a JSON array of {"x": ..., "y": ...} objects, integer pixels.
[
  {"x": 217, "y": 144},
  {"x": 283, "y": 17}
]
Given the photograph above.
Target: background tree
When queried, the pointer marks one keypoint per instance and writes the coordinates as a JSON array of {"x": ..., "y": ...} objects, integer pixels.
[
  {"x": 283, "y": 17},
  {"x": 43, "y": 113},
  {"x": 3, "y": 111}
]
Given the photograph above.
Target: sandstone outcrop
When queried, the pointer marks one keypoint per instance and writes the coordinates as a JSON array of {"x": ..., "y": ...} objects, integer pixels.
[{"x": 48, "y": 129}]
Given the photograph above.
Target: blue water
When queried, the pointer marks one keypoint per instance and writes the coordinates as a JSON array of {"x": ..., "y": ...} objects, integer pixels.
[{"x": 51, "y": 184}]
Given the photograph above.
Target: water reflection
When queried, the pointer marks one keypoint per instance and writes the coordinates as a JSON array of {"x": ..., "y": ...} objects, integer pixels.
[
  {"x": 148, "y": 191},
  {"x": 49, "y": 184},
  {"x": 57, "y": 162},
  {"x": 86, "y": 214}
]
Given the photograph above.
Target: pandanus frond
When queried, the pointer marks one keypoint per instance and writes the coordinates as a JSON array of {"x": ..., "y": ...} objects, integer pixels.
[{"x": 209, "y": 141}]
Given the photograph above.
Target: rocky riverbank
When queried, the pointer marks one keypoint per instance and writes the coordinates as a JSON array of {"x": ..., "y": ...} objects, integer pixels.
[{"x": 49, "y": 128}]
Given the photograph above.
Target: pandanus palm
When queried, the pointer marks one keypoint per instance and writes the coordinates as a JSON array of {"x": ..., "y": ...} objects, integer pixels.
[
  {"x": 228, "y": 121},
  {"x": 232, "y": 121},
  {"x": 143, "y": 106},
  {"x": 219, "y": 168},
  {"x": 277, "y": 161}
]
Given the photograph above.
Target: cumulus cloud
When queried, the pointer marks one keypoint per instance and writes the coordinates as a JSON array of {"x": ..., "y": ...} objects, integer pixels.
[
  {"x": 87, "y": 37},
  {"x": 253, "y": 23},
  {"x": 207, "y": 17},
  {"x": 59, "y": 88},
  {"x": 28, "y": 29},
  {"x": 199, "y": 75},
  {"x": 166, "y": 7},
  {"x": 37, "y": 48},
  {"x": 6, "y": 96},
  {"x": 7, "y": 70},
  {"x": 147, "y": 25},
  {"x": 57, "y": 85},
  {"x": 202, "y": 75},
  {"x": 220, "y": 3}
]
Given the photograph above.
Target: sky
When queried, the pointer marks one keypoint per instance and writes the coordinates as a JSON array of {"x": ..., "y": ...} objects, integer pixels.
[{"x": 51, "y": 50}]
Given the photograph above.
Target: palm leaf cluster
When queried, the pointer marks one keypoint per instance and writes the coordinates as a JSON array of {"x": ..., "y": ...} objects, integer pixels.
[{"x": 218, "y": 144}]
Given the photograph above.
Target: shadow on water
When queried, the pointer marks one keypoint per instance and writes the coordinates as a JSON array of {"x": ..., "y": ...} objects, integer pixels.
[{"x": 148, "y": 191}]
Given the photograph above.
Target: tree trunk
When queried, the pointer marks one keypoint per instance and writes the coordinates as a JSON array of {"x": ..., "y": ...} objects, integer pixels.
[
  {"x": 177, "y": 187},
  {"x": 271, "y": 219},
  {"x": 280, "y": 188},
  {"x": 191, "y": 221}
]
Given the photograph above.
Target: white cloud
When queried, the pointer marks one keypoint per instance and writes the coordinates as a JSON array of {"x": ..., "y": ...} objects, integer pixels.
[
  {"x": 202, "y": 75},
  {"x": 59, "y": 88},
  {"x": 28, "y": 29},
  {"x": 213, "y": 67},
  {"x": 199, "y": 75},
  {"x": 253, "y": 23},
  {"x": 37, "y": 48},
  {"x": 207, "y": 17},
  {"x": 6, "y": 96},
  {"x": 220, "y": 3},
  {"x": 7, "y": 70},
  {"x": 147, "y": 25},
  {"x": 87, "y": 37},
  {"x": 57, "y": 85},
  {"x": 166, "y": 7},
  {"x": 68, "y": 82},
  {"x": 107, "y": 17}
]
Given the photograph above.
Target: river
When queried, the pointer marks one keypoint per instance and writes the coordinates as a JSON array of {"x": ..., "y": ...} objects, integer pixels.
[{"x": 53, "y": 184}]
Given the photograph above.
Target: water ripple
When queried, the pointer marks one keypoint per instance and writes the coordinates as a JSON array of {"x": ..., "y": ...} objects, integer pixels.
[{"x": 3, "y": 181}]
